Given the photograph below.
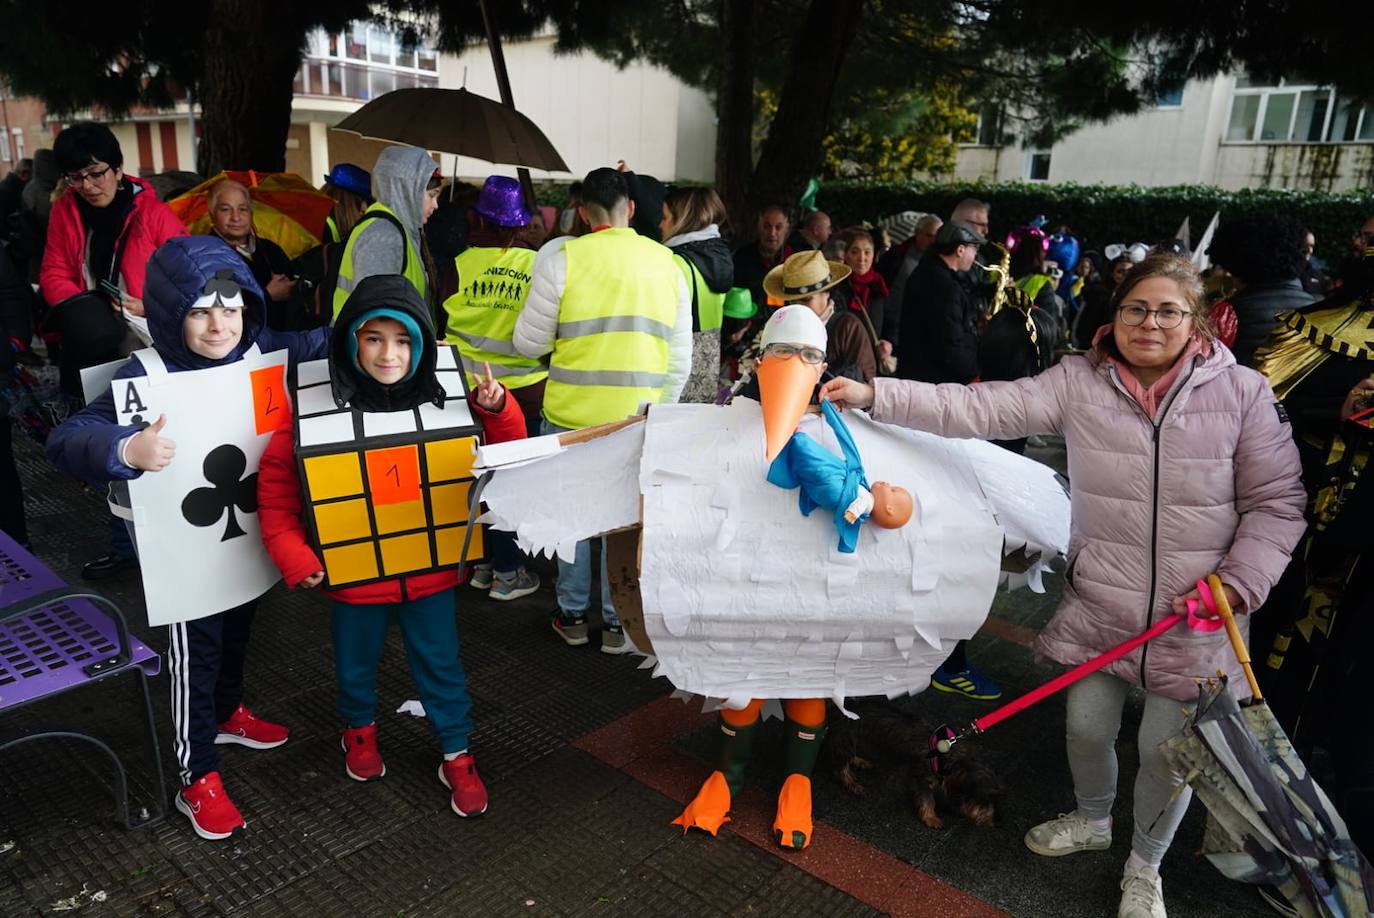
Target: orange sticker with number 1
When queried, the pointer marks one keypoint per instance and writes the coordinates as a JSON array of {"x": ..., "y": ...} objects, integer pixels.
[
  {"x": 393, "y": 474},
  {"x": 271, "y": 410}
]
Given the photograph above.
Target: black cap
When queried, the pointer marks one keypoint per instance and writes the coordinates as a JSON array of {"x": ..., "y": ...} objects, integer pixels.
[{"x": 954, "y": 233}]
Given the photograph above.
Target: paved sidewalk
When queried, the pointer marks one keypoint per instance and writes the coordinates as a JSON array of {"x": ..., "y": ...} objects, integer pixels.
[{"x": 587, "y": 761}]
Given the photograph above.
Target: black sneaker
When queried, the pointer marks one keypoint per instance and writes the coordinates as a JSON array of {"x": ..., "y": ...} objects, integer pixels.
[
  {"x": 107, "y": 566},
  {"x": 572, "y": 630}
]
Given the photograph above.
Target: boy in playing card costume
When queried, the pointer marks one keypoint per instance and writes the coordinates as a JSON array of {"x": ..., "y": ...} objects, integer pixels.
[
  {"x": 382, "y": 359},
  {"x": 204, "y": 311}
]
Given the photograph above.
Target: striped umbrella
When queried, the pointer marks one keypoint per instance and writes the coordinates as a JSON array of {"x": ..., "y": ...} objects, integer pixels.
[{"x": 286, "y": 208}]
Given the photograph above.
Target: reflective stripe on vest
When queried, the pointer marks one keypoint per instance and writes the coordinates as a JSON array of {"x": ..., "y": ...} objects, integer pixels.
[
  {"x": 414, "y": 269},
  {"x": 615, "y": 328},
  {"x": 493, "y": 284}
]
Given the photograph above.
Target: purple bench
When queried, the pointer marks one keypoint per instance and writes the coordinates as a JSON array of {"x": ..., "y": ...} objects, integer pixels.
[{"x": 56, "y": 639}]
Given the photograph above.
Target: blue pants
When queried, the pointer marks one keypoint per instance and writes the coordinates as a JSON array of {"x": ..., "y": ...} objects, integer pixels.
[
  {"x": 430, "y": 632},
  {"x": 506, "y": 557},
  {"x": 575, "y": 579},
  {"x": 205, "y": 662}
]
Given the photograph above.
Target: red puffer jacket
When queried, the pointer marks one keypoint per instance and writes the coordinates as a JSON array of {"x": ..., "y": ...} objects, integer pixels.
[
  {"x": 149, "y": 224},
  {"x": 284, "y": 534}
]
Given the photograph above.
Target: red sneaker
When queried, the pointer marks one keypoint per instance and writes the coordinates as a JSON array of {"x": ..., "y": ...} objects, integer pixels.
[
  {"x": 212, "y": 814},
  {"x": 247, "y": 729},
  {"x": 469, "y": 793},
  {"x": 362, "y": 759}
]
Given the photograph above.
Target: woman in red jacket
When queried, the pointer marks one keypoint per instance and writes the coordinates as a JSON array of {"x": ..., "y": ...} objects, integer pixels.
[
  {"x": 382, "y": 358},
  {"x": 101, "y": 233}
]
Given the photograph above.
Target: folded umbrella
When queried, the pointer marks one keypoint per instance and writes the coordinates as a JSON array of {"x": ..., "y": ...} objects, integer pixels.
[{"x": 1270, "y": 822}]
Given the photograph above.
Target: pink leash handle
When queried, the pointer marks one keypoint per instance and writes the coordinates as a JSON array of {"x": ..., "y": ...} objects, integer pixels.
[{"x": 1195, "y": 621}]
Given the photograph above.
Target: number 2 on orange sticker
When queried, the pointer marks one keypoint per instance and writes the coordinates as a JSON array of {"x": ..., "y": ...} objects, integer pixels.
[{"x": 269, "y": 398}]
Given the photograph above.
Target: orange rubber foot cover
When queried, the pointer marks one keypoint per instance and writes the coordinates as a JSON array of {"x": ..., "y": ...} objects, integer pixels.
[
  {"x": 792, "y": 827},
  {"x": 708, "y": 810}
]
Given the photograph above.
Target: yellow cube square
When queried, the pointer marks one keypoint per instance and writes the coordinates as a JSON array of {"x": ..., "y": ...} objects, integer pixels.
[
  {"x": 448, "y": 503},
  {"x": 450, "y": 459},
  {"x": 448, "y": 543},
  {"x": 403, "y": 554},
  {"x": 334, "y": 475},
  {"x": 350, "y": 563},
  {"x": 399, "y": 517},
  {"x": 343, "y": 521}
]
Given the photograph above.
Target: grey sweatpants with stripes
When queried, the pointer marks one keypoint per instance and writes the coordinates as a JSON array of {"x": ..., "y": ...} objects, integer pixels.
[{"x": 1094, "y": 720}]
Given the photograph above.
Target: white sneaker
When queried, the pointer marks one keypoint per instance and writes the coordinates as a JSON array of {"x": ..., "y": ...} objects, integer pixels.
[
  {"x": 1069, "y": 834},
  {"x": 522, "y": 584},
  {"x": 1142, "y": 894}
]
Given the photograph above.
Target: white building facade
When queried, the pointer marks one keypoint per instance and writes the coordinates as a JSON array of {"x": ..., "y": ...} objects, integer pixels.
[{"x": 1228, "y": 131}]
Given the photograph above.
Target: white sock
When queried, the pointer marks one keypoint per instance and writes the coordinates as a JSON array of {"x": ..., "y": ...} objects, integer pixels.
[
  {"x": 1100, "y": 826},
  {"x": 450, "y": 756},
  {"x": 1135, "y": 862}
]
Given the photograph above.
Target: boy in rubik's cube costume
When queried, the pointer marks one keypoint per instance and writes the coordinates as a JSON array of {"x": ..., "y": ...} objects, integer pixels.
[
  {"x": 206, "y": 313},
  {"x": 378, "y": 466}
]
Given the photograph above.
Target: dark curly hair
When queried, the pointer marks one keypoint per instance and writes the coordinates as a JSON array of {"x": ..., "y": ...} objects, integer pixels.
[{"x": 1259, "y": 248}]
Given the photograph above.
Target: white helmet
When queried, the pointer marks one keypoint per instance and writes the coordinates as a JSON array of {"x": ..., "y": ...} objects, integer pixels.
[{"x": 796, "y": 324}]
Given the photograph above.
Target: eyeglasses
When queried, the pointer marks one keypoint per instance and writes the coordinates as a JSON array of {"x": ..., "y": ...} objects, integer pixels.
[
  {"x": 811, "y": 355},
  {"x": 1165, "y": 317},
  {"x": 94, "y": 176}
]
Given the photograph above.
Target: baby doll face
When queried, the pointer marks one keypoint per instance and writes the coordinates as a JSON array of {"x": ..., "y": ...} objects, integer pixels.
[
  {"x": 384, "y": 350},
  {"x": 213, "y": 331},
  {"x": 892, "y": 506}
]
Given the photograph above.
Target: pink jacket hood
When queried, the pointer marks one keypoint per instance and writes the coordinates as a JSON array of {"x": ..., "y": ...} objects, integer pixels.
[{"x": 1212, "y": 484}]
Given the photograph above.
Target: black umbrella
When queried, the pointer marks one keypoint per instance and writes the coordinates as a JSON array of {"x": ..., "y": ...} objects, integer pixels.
[{"x": 455, "y": 121}]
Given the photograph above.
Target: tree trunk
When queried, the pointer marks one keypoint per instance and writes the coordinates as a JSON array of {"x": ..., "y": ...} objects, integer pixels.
[
  {"x": 735, "y": 112},
  {"x": 791, "y": 153},
  {"x": 253, "y": 49}
]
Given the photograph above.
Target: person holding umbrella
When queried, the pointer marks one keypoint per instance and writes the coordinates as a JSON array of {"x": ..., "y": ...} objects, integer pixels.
[
  {"x": 1182, "y": 465},
  {"x": 389, "y": 238},
  {"x": 231, "y": 219}
]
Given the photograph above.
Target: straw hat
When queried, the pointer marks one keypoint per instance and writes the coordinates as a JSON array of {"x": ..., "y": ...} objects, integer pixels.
[{"x": 803, "y": 274}]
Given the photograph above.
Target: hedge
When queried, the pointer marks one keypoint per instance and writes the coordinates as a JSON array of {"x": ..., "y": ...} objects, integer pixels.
[
  {"x": 1099, "y": 214},
  {"x": 1103, "y": 214}
]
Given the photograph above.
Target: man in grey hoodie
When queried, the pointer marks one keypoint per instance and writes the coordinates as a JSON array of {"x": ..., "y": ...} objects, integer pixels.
[{"x": 388, "y": 238}]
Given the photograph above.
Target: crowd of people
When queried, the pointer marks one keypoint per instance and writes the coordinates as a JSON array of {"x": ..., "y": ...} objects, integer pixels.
[{"x": 1204, "y": 421}]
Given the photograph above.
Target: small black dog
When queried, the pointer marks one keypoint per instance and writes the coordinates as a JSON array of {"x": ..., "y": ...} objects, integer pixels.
[{"x": 886, "y": 735}]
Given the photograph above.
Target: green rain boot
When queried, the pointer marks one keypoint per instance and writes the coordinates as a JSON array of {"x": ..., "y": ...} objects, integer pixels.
[
  {"x": 710, "y": 809},
  {"x": 792, "y": 827}
]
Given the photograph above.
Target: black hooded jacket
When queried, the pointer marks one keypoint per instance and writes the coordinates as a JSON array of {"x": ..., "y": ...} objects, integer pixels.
[{"x": 355, "y": 389}]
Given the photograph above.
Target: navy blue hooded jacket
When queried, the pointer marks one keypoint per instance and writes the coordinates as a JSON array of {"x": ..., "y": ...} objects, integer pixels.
[{"x": 86, "y": 445}]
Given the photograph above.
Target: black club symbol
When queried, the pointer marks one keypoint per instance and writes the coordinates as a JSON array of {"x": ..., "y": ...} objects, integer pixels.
[
  {"x": 223, "y": 468},
  {"x": 222, "y": 285}
]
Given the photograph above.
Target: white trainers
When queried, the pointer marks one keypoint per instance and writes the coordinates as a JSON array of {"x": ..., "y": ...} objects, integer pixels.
[
  {"x": 1142, "y": 894},
  {"x": 1069, "y": 834},
  {"x": 522, "y": 584}
]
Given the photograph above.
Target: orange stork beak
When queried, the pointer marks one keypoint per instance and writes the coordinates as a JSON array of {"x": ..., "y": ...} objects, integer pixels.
[{"x": 785, "y": 386}]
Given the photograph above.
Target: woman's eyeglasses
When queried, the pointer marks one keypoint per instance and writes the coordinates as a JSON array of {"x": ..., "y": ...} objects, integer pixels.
[
  {"x": 93, "y": 176},
  {"x": 1165, "y": 316},
  {"x": 811, "y": 355}
]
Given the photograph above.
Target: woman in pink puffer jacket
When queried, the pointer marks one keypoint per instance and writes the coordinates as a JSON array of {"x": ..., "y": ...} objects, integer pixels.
[{"x": 1181, "y": 463}]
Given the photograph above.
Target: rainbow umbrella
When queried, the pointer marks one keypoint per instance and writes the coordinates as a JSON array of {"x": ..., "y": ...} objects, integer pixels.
[{"x": 286, "y": 208}]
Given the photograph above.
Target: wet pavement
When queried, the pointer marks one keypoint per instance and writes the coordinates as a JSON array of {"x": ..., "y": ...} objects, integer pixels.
[{"x": 587, "y": 760}]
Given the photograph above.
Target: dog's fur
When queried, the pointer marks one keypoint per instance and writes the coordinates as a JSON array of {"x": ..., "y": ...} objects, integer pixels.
[{"x": 886, "y": 735}]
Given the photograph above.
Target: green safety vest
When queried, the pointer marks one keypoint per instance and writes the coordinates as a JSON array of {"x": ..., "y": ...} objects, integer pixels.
[
  {"x": 493, "y": 284},
  {"x": 1033, "y": 284},
  {"x": 413, "y": 268},
  {"x": 615, "y": 328},
  {"x": 708, "y": 305},
  {"x": 331, "y": 230}
]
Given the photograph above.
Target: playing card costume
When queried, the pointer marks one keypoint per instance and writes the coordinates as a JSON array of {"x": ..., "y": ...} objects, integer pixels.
[{"x": 206, "y": 654}]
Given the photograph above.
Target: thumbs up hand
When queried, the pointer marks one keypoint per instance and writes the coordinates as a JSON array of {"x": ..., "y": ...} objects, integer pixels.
[{"x": 148, "y": 450}]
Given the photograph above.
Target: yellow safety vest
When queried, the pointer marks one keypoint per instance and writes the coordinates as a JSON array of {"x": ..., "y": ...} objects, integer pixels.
[
  {"x": 493, "y": 284},
  {"x": 615, "y": 328},
  {"x": 709, "y": 305},
  {"x": 331, "y": 230},
  {"x": 414, "y": 269}
]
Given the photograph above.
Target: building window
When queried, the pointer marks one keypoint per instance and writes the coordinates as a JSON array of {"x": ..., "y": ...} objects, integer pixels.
[
  {"x": 18, "y": 143},
  {"x": 1038, "y": 166},
  {"x": 1172, "y": 98},
  {"x": 1296, "y": 114},
  {"x": 364, "y": 62},
  {"x": 4, "y": 147}
]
